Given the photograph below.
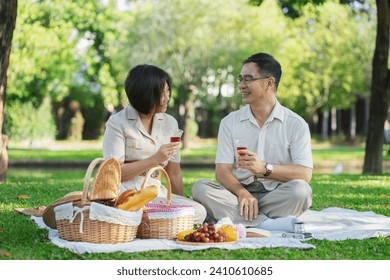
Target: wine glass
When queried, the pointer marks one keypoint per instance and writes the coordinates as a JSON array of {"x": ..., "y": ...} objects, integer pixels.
[
  {"x": 176, "y": 136},
  {"x": 241, "y": 144}
]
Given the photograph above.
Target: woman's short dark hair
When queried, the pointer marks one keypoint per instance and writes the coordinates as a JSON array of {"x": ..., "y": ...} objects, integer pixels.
[
  {"x": 144, "y": 85},
  {"x": 268, "y": 66}
]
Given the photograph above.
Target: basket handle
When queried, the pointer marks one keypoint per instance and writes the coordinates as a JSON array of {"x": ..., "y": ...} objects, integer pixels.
[
  {"x": 150, "y": 172},
  {"x": 87, "y": 179}
]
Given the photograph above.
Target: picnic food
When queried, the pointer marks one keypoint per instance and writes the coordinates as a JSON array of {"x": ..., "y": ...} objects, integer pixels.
[
  {"x": 133, "y": 200},
  {"x": 233, "y": 231},
  {"x": 181, "y": 235},
  {"x": 230, "y": 231},
  {"x": 206, "y": 233},
  {"x": 107, "y": 181}
]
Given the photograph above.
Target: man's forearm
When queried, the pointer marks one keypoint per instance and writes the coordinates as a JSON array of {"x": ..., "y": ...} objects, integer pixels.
[
  {"x": 229, "y": 181},
  {"x": 285, "y": 173}
]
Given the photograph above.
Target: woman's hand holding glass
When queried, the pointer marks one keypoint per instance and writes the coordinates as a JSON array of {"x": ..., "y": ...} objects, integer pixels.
[
  {"x": 176, "y": 137},
  {"x": 166, "y": 151}
]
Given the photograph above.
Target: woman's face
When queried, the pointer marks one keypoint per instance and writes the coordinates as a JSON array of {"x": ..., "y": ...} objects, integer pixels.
[{"x": 165, "y": 96}]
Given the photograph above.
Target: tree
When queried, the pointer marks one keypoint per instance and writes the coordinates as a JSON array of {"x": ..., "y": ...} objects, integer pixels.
[
  {"x": 327, "y": 66},
  {"x": 8, "y": 11},
  {"x": 380, "y": 92},
  {"x": 380, "y": 87},
  {"x": 61, "y": 52},
  {"x": 291, "y": 8}
]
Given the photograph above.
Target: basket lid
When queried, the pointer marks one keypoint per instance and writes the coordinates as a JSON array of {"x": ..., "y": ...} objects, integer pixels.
[
  {"x": 48, "y": 215},
  {"x": 99, "y": 212}
]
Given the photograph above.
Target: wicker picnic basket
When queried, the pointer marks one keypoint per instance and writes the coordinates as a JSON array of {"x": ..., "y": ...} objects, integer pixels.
[
  {"x": 164, "y": 220},
  {"x": 96, "y": 221}
]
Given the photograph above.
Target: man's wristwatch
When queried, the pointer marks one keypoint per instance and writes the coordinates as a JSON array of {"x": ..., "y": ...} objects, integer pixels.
[{"x": 268, "y": 169}]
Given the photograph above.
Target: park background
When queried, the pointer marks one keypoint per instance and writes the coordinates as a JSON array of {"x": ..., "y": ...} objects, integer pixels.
[
  {"x": 69, "y": 60},
  {"x": 65, "y": 78}
]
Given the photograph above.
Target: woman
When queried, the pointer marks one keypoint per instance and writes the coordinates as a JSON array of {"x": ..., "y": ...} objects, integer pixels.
[{"x": 139, "y": 135}]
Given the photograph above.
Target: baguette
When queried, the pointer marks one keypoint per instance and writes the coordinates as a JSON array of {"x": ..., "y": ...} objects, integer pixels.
[
  {"x": 132, "y": 200},
  {"x": 106, "y": 185}
]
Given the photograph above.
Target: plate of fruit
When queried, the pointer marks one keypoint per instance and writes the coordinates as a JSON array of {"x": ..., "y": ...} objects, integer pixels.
[{"x": 208, "y": 234}]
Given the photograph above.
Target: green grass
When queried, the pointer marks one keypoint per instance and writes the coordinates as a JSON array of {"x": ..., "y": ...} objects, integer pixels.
[
  {"x": 21, "y": 239},
  {"x": 343, "y": 153},
  {"x": 339, "y": 153},
  {"x": 44, "y": 154}
]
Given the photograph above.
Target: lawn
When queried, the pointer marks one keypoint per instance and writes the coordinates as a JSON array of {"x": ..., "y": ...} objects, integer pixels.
[
  {"x": 21, "y": 239},
  {"x": 199, "y": 152}
]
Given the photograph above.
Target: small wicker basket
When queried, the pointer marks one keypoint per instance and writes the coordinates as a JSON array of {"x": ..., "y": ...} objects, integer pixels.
[
  {"x": 164, "y": 220},
  {"x": 87, "y": 221}
]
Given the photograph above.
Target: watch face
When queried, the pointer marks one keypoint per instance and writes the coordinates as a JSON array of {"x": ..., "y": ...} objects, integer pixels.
[{"x": 268, "y": 167}]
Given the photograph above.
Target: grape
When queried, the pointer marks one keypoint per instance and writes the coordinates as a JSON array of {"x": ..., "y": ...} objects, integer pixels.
[
  {"x": 206, "y": 233},
  {"x": 205, "y": 239}
]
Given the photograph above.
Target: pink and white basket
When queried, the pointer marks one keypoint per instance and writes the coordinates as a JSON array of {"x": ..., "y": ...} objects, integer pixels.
[{"x": 165, "y": 220}]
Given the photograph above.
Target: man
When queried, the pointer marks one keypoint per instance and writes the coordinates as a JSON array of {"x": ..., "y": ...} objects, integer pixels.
[{"x": 267, "y": 184}]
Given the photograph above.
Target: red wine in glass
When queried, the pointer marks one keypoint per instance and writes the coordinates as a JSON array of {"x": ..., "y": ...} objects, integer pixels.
[
  {"x": 239, "y": 149},
  {"x": 240, "y": 146},
  {"x": 175, "y": 139}
]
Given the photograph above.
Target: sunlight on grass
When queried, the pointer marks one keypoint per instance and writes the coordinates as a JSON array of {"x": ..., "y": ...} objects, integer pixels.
[
  {"x": 202, "y": 152},
  {"x": 54, "y": 154},
  {"x": 41, "y": 187}
]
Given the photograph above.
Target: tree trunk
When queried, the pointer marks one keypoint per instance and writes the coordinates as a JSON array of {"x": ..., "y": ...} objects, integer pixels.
[
  {"x": 189, "y": 107},
  {"x": 379, "y": 100},
  {"x": 352, "y": 123},
  {"x": 325, "y": 125},
  {"x": 8, "y": 11},
  {"x": 334, "y": 124}
]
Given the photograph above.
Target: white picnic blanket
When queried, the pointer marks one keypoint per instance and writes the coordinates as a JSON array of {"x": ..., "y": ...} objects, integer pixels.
[{"x": 330, "y": 224}]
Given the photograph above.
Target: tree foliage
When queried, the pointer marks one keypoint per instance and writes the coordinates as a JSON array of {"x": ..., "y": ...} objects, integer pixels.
[
  {"x": 81, "y": 51},
  {"x": 61, "y": 51},
  {"x": 380, "y": 86},
  {"x": 291, "y": 8},
  {"x": 328, "y": 65}
]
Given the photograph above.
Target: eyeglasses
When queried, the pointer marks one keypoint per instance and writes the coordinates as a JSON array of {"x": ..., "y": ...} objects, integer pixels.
[{"x": 246, "y": 80}]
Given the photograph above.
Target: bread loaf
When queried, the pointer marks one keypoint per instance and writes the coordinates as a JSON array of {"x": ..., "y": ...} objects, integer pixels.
[
  {"x": 106, "y": 184},
  {"x": 133, "y": 200}
]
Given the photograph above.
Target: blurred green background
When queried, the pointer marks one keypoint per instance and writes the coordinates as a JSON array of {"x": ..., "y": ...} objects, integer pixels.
[{"x": 69, "y": 60}]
